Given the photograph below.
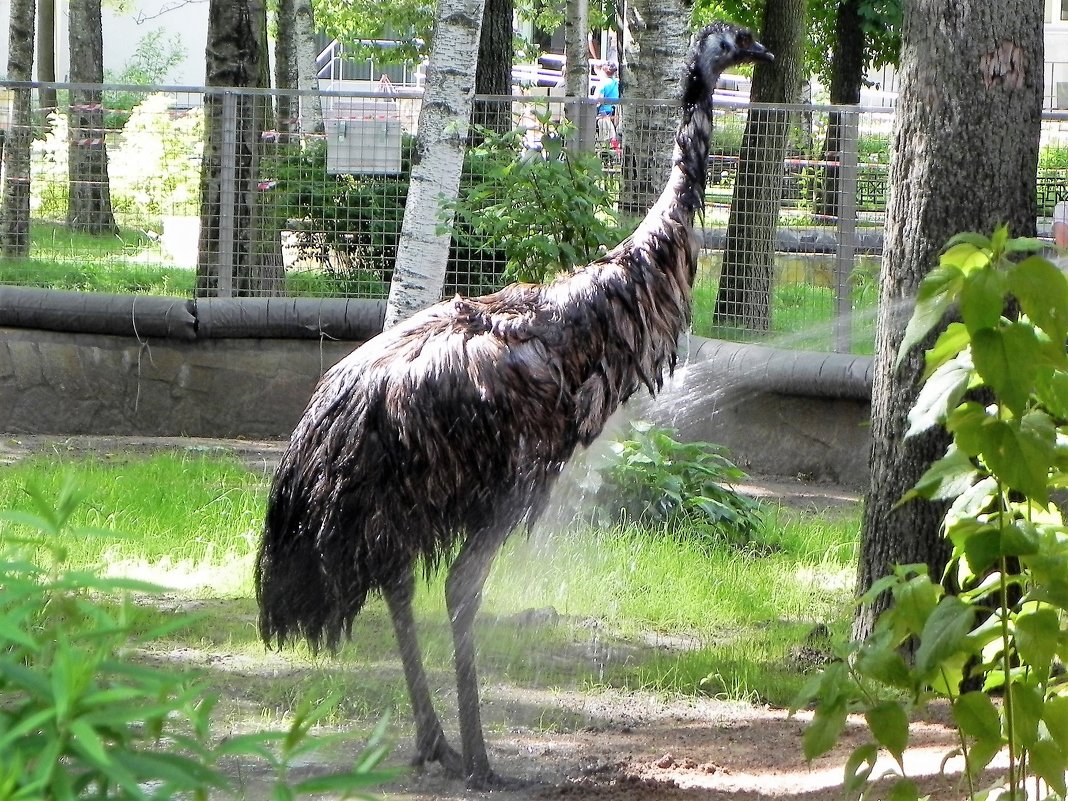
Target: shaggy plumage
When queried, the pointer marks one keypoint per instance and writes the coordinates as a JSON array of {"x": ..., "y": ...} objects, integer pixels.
[{"x": 441, "y": 435}]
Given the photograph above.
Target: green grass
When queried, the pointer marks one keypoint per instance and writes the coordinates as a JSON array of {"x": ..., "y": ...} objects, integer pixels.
[
  {"x": 731, "y": 618},
  {"x": 128, "y": 262}
]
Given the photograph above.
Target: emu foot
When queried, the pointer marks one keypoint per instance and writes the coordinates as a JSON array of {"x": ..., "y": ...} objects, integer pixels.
[{"x": 437, "y": 750}]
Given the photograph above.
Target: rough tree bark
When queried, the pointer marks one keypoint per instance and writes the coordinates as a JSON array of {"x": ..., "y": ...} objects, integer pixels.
[
  {"x": 494, "y": 74},
  {"x": 655, "y": 41},
  {"x": 965, "y": 155},
  {"x": 15, "y": 216},
  {"x": 444, "y": 122},
  {"x": 46, "y": 55},
  {"x": 233, "y": 258},
  {"x": 744, "y": 296},
  {"x": 89, "y": 205},
  {"x": 847, "y": 77}
]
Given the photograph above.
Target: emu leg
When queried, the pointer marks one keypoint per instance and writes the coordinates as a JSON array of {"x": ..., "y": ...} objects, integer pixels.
[
  {"x": 430, "y": 744},
  {"x": 463, "y": 595}
]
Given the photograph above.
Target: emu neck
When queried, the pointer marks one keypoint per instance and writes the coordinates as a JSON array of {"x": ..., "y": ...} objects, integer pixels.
[{"x": 684, "y": 194}]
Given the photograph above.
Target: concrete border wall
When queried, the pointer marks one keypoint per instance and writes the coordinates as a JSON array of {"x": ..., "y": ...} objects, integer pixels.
[{"x": 780, "y": 412}]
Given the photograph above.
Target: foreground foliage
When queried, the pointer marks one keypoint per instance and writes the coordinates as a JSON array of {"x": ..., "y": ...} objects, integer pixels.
[
  {"x": 998, "y": 381},
  {"x": 80, "y": 717}
]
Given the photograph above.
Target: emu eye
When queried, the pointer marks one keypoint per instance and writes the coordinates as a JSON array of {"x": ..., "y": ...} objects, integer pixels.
[{"x": 724, "y": 46}]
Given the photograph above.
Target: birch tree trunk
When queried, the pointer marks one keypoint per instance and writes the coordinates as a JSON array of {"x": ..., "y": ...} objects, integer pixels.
[
  {"x": 655, "y": 42},
  {"x": 444, "y": 122},
  {"x": 295, "y": 68},
  {"x": 965, "y": 155},
  {"x": 15, "y": 217},
  {"x": 744, "y": 296},
  {"x": 89, "y": 205},
  {"x": 577, "y": 69}
]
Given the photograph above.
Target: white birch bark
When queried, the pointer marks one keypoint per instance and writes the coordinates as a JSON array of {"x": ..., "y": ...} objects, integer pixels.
[
  {"x": 444, "y": 121},
  {"x": 304, "y": 53}
]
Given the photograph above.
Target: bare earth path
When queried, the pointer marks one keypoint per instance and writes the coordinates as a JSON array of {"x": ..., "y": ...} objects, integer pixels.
[{"x": 602, "y": 745}]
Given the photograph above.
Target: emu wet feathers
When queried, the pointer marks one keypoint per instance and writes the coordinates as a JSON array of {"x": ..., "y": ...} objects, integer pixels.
[{"x": 434, "y": 440}]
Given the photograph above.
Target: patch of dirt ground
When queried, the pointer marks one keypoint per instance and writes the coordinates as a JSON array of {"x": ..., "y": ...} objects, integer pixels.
[{"x": 602, "y": 745}]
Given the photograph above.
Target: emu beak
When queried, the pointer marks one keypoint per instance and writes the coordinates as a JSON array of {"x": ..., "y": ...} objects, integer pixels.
[{"x": 757, "y": 52}]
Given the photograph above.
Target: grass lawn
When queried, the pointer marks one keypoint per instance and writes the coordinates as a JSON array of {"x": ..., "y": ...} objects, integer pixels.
[{"x": 670, "y": 616}]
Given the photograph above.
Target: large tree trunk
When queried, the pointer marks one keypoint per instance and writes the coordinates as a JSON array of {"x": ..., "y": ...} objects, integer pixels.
[
  {"x": 964, "y": 159},
  {"x": 234, "y": 258},
  {"x": 46, "y": 55},
  {"x": 655, "y": 42},
  {"x": 15, "y": 218},
  {"x": 577, "y": 68},
  {"x": 744, "y": 297},
  {"x": 444, "y": 122},
  {"x": 494, "y": 74},
  {"x": 295, "y": 68},
  {"x": 89, "y": 205},
  {"x": 847, "y": 77}
]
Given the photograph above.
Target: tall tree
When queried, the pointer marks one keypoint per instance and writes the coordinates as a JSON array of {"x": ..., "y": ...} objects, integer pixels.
[
  {"x": 234, "y": 257},
  {"x": 847, "y": 78},
  {"x": 965, "y": 156},
  {"x": 744, "y": 296},
  {"x": 655, "y": 38},
  {"x": 444, "y": 122},
  {"x": 15, "y": 215},
  {"x": 494, "y": 73},
  {"x": 89, "y": 205},
  {"x": 46, "y": 54},
  {"x": 295, "y": 67}
]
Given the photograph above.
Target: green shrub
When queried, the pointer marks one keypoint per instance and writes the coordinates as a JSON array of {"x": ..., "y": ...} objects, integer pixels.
[
  {"x": 80, "y": 717},
  {"x": 1006, "y": 625},
  {"x": 653, "y": 478},
  {"x": 546, "y": 210}
]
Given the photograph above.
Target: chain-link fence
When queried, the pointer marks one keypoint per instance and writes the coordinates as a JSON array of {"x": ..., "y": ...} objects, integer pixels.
[{"x": 264, "y": 193}]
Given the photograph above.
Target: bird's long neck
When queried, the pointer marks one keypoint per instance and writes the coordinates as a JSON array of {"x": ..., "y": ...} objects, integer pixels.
[{"x": 684, "y": 194}]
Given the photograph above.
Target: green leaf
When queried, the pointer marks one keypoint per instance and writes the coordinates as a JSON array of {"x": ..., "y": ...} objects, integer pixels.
[
  {"x": 858, "y": 768},
  {"x": 947, "y": 478},
  {"x": 1048, "y": 761},
  {"x": 1027, "y": 705},
  {"x": 1042, "y": 291},
  {"x": 976, "y": 716},
  {"x": 827, "y": 724},
  {"x": 944, "y": 633},
  {"x": 1005, "y": 360},
  {"x": 949, "y": 343},
  {"x": 904, "y": 790},
  {"x": 1036, "y": 638},
  {"x": 1021, "y": 452},
  {"x": 1055, "y": 716},
  {"x": 936, "y": 293},
  {"x": 889, "y": 726},
  {"x": 982, "y": 299},
  {"x": 967, "y": 256},
  {"x": 939, "y": 394},
  {"x": 1051, "y": 389},
  {"x": 966, "y": 423}
]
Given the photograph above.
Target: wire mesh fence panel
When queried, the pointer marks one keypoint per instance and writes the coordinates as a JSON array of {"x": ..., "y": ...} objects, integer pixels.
[{"x": 190, "y": 191}]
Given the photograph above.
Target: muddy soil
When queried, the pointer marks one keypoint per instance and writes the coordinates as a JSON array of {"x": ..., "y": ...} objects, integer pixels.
[{"x": 604, "y": 745}]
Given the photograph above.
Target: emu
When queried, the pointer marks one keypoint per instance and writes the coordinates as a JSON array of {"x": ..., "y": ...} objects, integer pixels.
[{"x": 437, "y": 438}]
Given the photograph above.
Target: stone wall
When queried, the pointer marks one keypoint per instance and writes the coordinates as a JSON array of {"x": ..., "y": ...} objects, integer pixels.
[{"x": 780, "y": 412}]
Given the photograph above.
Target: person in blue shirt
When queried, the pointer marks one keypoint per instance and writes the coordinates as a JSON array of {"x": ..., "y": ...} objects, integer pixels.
[{"x": 609, "y": 88}]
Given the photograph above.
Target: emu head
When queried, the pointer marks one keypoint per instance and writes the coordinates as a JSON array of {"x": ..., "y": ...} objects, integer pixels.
[{"x": 717, "y": 47}]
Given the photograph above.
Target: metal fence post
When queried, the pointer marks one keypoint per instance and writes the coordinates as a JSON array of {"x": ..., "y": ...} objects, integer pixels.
[
  {"x": 847, "y": 230},
  {"x": 227, "y": 194}
]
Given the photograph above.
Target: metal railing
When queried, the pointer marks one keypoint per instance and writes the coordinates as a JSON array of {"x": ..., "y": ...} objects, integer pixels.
[{"x": 299, "y": 212}]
